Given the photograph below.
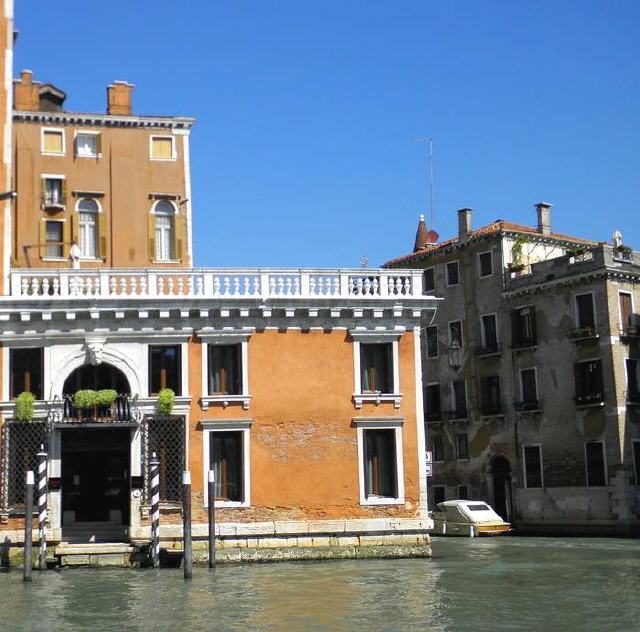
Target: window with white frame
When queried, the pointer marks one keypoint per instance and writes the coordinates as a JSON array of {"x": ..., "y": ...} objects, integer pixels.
[
  {"x": 455, "y": 332},
  {"x": 54, "y": 241},
  {"x": 380, "y": 460},
  {"x": 595, "y": 464},
  {"x": 528, "y": 389},
  {"x": 88, "y": 145},
  {"x": 53, "y": 191},
  {"x": 88, "y": 227},
  {"x": 226, "y": 452},
  {"x": 52, "y": 142},
  {"x": 162, "y": 148},
  {"x": 376, "y": 367},
  {"x": 485, "y": 264},
  {"x": 532, "y": 465},
  {"x": 489, "y": 332},
  {"x": 165, "y": 213}
]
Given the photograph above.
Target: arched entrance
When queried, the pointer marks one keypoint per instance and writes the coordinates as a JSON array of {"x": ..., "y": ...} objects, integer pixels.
[
  {"x": 97, "y": 377},
  {"x": 501, "y": 477}
]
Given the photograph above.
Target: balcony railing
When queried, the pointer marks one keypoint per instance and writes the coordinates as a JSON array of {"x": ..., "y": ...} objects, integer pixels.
[
  {"x": 529, "y": 405},
  {"x": 214, "y": 283},
  {"x": 491, "y": 409},
  {"x": 582, "y": 333},
  {"x": 119, "y": 411},
  {"x": 630, "y": 331},
  {"x": 589, "y": 399},
  {"x": 524, "y": 343}
]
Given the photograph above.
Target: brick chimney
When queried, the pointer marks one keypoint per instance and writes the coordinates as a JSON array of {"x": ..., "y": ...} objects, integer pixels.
[
  {"x": 119, "y": 98},
  {"x": 464, "y": 222},
  {"x": 26, "y": 92},
  {"x": 544, "y": 217}
]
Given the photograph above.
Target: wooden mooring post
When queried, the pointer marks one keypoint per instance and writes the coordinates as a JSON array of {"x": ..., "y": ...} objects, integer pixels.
[
  {"x": 211, "y": 493},
  {"x": 28, "y": 528},
  {"x": 187, "y": 556}
]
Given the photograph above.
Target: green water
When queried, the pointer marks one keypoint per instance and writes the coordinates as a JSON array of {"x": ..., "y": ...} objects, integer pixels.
[{"x": 470, "y": 584}]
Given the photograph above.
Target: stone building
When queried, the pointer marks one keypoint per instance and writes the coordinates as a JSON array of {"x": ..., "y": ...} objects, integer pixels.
[{"x": 531, "y": 373}]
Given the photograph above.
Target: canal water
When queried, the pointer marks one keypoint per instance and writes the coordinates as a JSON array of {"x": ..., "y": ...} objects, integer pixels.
[{"x": 476, "y": 584}]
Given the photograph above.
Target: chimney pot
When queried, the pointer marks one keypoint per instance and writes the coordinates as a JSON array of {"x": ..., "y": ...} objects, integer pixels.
[
  {"x": 544, "y": 217},
  {"x": 464, "y": 222},
  {"x": 26, "y": 92},
  {"x": 119, "y": 98}
]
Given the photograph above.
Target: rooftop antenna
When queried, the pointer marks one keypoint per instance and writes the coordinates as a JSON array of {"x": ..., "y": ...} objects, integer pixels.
[{"x": 433, "y": 236}]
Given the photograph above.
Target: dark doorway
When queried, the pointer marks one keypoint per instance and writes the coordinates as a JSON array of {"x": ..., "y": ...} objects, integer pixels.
[
  {"x": 501, "y": 474},
  {"x": 95, "y": 476},
  {"x": 97, "y": 377}
]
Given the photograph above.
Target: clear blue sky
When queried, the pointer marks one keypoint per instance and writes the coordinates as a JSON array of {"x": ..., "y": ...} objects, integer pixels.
[{"x": 303, "y": 153}]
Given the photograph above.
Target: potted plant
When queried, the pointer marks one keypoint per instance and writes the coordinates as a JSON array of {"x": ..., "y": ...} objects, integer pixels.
[
  {"x": 85, "y": 400},
  {"x": 105, "y": 399},
  {"x": 166, "y": 399},
  {"x": 24, "y": 406}
]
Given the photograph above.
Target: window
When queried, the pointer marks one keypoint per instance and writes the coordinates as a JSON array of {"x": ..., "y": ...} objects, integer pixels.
[
  {"x": 532, "y": 458},
  {"x": 224, "y": 369},
  {"x": 523, "y": 327},
  {"x": 453, "y": 273},
  {"x": 432, "y": 404},
  {"x": 633, "y": 380},
  {"x": 164, "y": 225},
  {"x": 52, "y": 141},
  {"x": 225, "y": 459},
  {"x": 595, "y": 463},
  {"x": 380, "y": 464},
  {"x": 162, "y": 148},
  {"x": 528, "y": 389},
  {"x": 432, "y": 341},
  {"x": 626, "y": 310},
  {"x": 489, "y": 333},
  {"x": 88, "y": 227},
  {"x": 26, "y": 371},
  {"x": 439, "y": 494},
  {"x": 463, "y": 492},
  {"x": 53, "y": 192},
  {"x": 376, "y": 368},
  {"x": 88, "y": 145},
  {"x": 438, "y": 448},
  {"x": 490, "y": 395},
  {"x": 485, "y": 264},
  {"x": 380, "y": 460},
  {"x": 459, "y": 395},
  {"x": 429, "y": 280},
  {"x": 462, "y": 447},
  {"x": 455, "y": 332},
  {"x": 53, "y": 239},
  {"x": 165, "y": 368},
  {"x": 636, "y": 461},
  {"x": 585, "y": 315},
  {"x": 588, "y": 382}
]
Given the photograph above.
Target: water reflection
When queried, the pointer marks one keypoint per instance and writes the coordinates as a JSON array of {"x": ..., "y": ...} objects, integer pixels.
[{"x": 492, "y": 584}]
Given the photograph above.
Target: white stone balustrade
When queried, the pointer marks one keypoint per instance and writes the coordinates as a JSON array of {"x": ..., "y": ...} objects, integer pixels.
[{"x": 260, "y": 284}]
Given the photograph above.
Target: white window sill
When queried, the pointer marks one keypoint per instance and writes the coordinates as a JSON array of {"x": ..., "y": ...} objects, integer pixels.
[
  {"x": 228, "y": 504},
  {"x": 54, "y": 206},
  {"x": 53, "y": 153},
  {"x": 167, "y": 261},
  {"x": 377, "y": 398},
  {"x": 225, "y": 400},
  {"x": 163, "y": 159},
  {"x": 89, "y": 259},
  {"x": 54, "y": 259},
  {"x": 94, "y": 156},
  {"x": 381, "y": 500}
]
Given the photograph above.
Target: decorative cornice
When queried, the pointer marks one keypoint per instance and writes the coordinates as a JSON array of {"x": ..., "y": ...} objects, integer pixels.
[{"x": 103, "y": 120}]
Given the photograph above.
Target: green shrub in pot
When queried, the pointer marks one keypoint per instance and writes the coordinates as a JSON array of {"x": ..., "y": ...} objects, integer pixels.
[
  {"x": 24, "y": 406},
  {"x": 166, "y": 399}
]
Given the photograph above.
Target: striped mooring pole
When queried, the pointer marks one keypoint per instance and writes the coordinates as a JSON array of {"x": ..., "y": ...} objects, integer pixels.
[
  {"x": 154, "y": 475},
  {"x": 41, "y": 495}
]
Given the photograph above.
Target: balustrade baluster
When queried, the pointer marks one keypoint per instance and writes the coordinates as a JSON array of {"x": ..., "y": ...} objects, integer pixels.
[
  {"x": 161, "y": 286},
  {"x": 236, "y": 286},
  {"x": 180, "y": 286},
  {"x": 296, "y": 286},
  {"x": 56, "y": 286},
  {"x": 123, "y": 286},
  {"x": 245, "y": 290},
  {"x": 143, "y": 286},
  {"x": 336, "y": 286},
  {"x": 312, "y": 286},
  {"x": 170, "y": 286},
  {"x": 216, "y": 286},
  {"x": 226, "y": 284},
  {"x": 112, "y": 286}
]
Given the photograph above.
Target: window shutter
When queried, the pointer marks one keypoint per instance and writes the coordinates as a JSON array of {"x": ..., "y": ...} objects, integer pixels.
[
  {"x": 75, "y": 225},
  {"x": 152, "y": 237},
  {"x": 102, "y": 235},
  {"x": 177, "y": 236},
  {"x": 98, "y": 144},
  {"x": 66, "y": 237},
  {"x": 534, "y": 333},
  {"x": 64, "y": 192},
  {"x": 43, "y": 192},
  {"x": 42, "y": 238}
]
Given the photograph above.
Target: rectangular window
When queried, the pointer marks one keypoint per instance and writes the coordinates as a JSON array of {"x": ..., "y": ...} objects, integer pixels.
[
  {"x": 490, "y": 395},
  {"x": 453, "y": 273},
  {"x": 455, "y": 332},
  {"x": 489, "y": 333},
  {"x": 376, "y": 368},
  {"x": 636, "y": 461},
  {"x": 52, "y": 141},
  {"x": 432, "y": 404},
  {"x": 429, "y": 280},
  {"x": 165, "y": 368},
  {"x": 626, "y": 310},
  {"x": 225, "y": 377},
  {"x": 432, "y": 341},
  {"x": 380, "y": 475},
  {"x": 164, "y": 237},
  {"x": 439, "y": 494},
  {"x": 87, "y": 145},
  {"x": 463, "y": 492},
  {"x": 53, "y": 192},
  {"x": 462, "y": 447},
  {"x": 162, "y": 148},
  {"x": 585, "y": 314},
  {"x": 588, "y": 377},
  {"x": 26, "y": 371},
  {"x": 596, "y": 469},
  {"x": 529, "y": 389},
  {"x": 532, "y": 455},
  {"x": 54, "y": 239},
  {"x": 225, "y": 459},
  {"x": 633, "y": 380},
  {"x": 485, "y": 264},
  {"x": 88, "y": 233},
  {"x": 523, "y": 327},
  {"x": 438, "y": 448},
  {"x": 459, "y": 392}
]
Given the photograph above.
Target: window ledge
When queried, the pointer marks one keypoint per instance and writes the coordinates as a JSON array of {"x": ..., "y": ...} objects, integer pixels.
[
  {"x": 377, "y": 398},
  {"x": 225, "y": 400},
  {"x": 163, "y": 159},
  {"x": 172, "y": 261},
  {"x": 52, "y": 153},
  {"x": 94, "y": 156},
  {"x": 381, "y": 500},
  {"x": 54, "y": 259},
  {"x": 229, "y": 504}
]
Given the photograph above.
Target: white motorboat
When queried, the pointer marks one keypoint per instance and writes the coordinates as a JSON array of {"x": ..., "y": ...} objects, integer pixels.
[{"x": 467, "y": 518}]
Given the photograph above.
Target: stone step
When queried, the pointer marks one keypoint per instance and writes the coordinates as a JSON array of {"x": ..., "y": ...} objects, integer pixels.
[{"x": 108, "y": 554}]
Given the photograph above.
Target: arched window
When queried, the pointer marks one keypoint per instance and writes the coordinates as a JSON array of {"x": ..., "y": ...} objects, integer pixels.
[
  {"x": 88, "y": 227},
  {"x": 165, "y": 216}
]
